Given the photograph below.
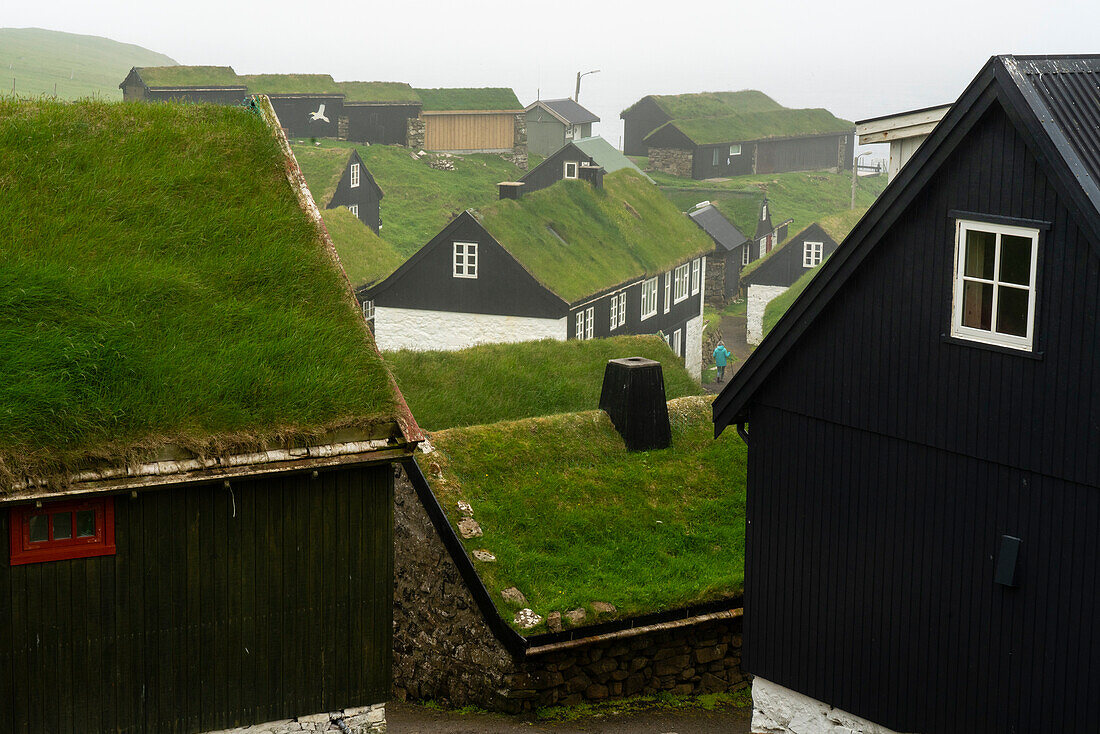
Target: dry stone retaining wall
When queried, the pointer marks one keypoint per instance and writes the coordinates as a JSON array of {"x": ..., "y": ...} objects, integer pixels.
[{"x": 674, "y": 161}]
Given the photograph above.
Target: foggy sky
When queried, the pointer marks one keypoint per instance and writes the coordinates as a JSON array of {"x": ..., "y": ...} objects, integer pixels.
[{"x": 858, "y": 61}]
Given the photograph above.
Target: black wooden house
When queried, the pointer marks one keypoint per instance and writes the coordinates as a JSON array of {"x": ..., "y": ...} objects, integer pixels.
[
  {"x": 378, "y": 112},
  {"x": 923, "y": 477},
  {"x": 359, "y": 192},
  {"x": 209, "y": 84},
  {"x": 732, "y": 250},
  {"x": 578, "y": 159},
  {"x": 790, "y": 261}
]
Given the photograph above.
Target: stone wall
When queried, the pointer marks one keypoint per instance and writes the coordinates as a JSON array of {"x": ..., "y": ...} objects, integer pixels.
[
  {"x": 759, "y": 297},
  {"x": 779, "y": 710},
  {"x": 415, "y": 133},
  {"x": 673, "y": 161},
  {"x": 421, "y": 329},
  {"x": 444, "y": 650},
  {"x": 359, "y": 720},
  {"x": 714, "y": 285},
  {"x": 519, "y": 141}
]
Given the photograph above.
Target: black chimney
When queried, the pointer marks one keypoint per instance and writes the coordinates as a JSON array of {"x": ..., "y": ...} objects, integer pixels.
[
  {"x": 633, "y": 395},
  {"x": 510, "y": 189},
  {"x": 593, "y": 174}
]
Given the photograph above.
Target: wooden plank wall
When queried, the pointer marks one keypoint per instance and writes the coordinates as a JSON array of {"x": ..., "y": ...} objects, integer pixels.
[
  {"x": 220, "y": 609},
  {"x": 470, "y": 132}
]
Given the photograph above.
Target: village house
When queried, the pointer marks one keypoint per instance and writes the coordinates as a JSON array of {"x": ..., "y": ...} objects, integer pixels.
[
  {"x": 551, "y": 123},
  {"x": 714, "y": 134},
  {"x": 378, "y": 112},
  {"x": 210, "y": 84},
  {"x": 732, "y": 251},
  {"x": 578, "y": 159},
  {"x": 358, "y": 191},
  {"x": 924, "y": 559},
  {"x": 198, "y": 441},
  {"x": 471, "y": 120},
  {"x": 577, "y": 260}
]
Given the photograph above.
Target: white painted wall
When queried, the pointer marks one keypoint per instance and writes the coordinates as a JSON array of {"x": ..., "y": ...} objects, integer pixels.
[
  {"x": 420, "y": 330},
  {"x": 693, "y": 348},
  {"x": 779, "y": 710},
  {"x": 759, "y": 296}
]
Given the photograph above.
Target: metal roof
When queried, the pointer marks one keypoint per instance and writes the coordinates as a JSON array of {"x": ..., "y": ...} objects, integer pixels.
[
  {"x": 567, "y": 111},
  {"x": 720, "y": 229},
  {"x": 606, "y": 156}
]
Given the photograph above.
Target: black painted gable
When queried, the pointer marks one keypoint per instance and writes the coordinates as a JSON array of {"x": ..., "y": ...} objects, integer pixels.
[
  {"x": 787, "y": 264},
  {"x": 367, "y": 196},
  {"x": 552, "y": 169}
]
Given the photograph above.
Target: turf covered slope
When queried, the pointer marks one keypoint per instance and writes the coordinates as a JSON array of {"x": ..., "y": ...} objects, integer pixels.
[
  {"x": 496, "y": 382},
  {"x": 573, "y": 518},
  {"x": 159, "y": 283},
  {"x": 79, "y": 66},
  {"x": 577, "y": 240}
]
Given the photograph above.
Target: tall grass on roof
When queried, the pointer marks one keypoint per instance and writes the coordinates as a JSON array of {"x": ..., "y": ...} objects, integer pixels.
[{"x": 159, "y": 283}]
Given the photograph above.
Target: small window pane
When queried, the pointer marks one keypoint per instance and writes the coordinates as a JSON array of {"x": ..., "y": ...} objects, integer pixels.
[
  {"x": 85, "y": 524},
  {"x": 980, "y": 248},
  {"x": 62, "y": 525},
  {"x": 1015, "y": 259},
  {"x": 977, "y": 305},
  {"x": 1012, "y": 311},
  {"x": 40, "y": 528}
]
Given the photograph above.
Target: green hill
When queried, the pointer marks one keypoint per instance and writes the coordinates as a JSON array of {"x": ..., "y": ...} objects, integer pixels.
[{"x": 39, "y": 61}]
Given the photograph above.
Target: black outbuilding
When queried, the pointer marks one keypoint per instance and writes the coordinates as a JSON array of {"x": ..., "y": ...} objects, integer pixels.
[
  {"x": 358, "y": 191},
  {"x": 923, "y": 478},
  {"x": 790, "y": 261},
  {"x": 725, "y": 263}
]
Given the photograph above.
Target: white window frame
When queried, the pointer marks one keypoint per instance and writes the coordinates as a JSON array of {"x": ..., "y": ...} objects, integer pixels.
[
  {"x": 354, "y": 173},
  {"x": 696, "y": 275},
  {"x": 811, "y": 253},
  {"x": 622, "y": 308},
  {"x": 763, "y": 212},
  {"x": 589, "y": 322},
  {"x": 576, "y": 169},
  {"x": 763, "y": 246},
  {"x": 682, "y": 282},
  {"x": 614, "y": 311},
  {"x": 578, "y": 330},
  {"x": 746, "y": 252},
  {"x": 649, "y": 299},
  {"x": 464, "y": 259},
  {"x": 716, "y": 157},
  {"x": 354, "y": 209},
  {"x": 668, "y": 291},
  {"x": 368, "y": 310},
  {"x": 677, "y": 342},
  {"x": 735, "y": 149},
  {"x": 970, "y": 333}
]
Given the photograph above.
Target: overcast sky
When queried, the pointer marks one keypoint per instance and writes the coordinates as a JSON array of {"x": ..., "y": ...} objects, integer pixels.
[{"x": 858, "y": 60}]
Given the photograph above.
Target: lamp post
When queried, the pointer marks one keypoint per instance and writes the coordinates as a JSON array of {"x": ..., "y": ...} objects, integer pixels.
[
  {"x": 577, "y": 94},
  {"x": 855, "y": 171}
]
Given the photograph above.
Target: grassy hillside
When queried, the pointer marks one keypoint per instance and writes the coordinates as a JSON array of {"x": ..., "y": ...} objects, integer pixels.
[
  {"x": 495, "y": 382},
  {"x": 573, "y": 518},
  {"x": 79, "y": 66}
]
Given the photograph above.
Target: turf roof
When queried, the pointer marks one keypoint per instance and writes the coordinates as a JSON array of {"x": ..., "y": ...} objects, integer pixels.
[
  {"x": 160, "y": 284},
  {"x": 779, "y": 123},
  {"x": 366, "y": 257},
  {"x": 377, "y": 92},
  {"x": 713, "y": 104},
  {"x": 469, "y": 98},
  {"x": 578, "y": 240},
  {"x": 189, "y": 76},
  {"x": 291, "y": 84}
]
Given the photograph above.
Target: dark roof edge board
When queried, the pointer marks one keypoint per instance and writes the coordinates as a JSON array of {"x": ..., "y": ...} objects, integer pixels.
[{"x": 997, "y": 81}]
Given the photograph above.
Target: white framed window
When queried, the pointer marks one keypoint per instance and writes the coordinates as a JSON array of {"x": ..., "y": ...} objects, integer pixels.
[
  {"x": 354, "y": 175},
  {"x": 614, "y": 312},
  {"x": 696, "y": 275},
  {"x": 465, "y": 259},
  {"x": 589, "y": 321},
  {"x": 994, "y": 289},
  {"x": 682, "y": 280},
  {"x": 811, "y": 254},
  {"x": 622, "y": 308},
  {"x": 668, "y": 291},
  {"x": 649, "y": 298},
  {"x": 745, "y": 252},
  {"x": 579, "y": 330},
  {"x": 368, "y": 310},
  {"x": 570, "y": 169},
  {"x": 677, "y": 343},
  {"x": 735, "y": 149},
  {"x": 764, "y": 212},
  {"x": 763, "y": 246},
  {"x": 716, "y": 156},
  {"x": 354, "y": 209}
]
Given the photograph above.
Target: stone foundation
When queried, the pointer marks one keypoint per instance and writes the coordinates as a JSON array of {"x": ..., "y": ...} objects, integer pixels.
[
  {"x": 759, "y": 297},
  {"x": 673, "y": 161},
  {"x": 714, "y": 285},
  {"x": 358, "y": 720},
  {"x": 779, "y": 710},
  {"x": 519, "y": 141},
  {"x": 444, "y": 650},
  {"x": 415, "y": 133}
]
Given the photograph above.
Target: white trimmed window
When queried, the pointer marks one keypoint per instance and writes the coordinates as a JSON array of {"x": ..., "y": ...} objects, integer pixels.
[
  {"x": 763, "y": 246},
  {"x": 354, "y": 175},
  {"x": 622, "y": 308},
  {"x": 354, "y": 209},
  {"x": 614, "y": 312},
  {"x": 649, "y": 298},
  {"x": 677, "y": 343},
  {"x": 668, "y": 291},
  {"x": 994, "y": 292},
  {"x": 368, "y": 310},
  {"x": 589, "y": 321},
  {"x": 570, "y": 169},
  {"x": 811, "y": 254},
  {"x": 682, "y": 280},
  {"x": 745, "y": 252},
  {"x": 579, "y": 330},
  {"x": 716, "y": 156},
  {"x": 763, "y": 212},
  {"x": 735, "y": 149},
  {"x": 696, "y": 273},
  {"x": 465, "y": 259}
]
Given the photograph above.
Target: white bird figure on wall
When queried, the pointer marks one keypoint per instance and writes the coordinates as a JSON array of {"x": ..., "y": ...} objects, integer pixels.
[{"x": 319, "y": 114}]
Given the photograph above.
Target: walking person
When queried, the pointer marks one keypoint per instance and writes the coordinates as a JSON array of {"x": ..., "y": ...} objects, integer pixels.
[{"x": 721, "y": 354}]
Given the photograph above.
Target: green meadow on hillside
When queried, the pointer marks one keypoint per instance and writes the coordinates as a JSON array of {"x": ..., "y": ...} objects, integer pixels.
[{"x": 37, "y": 61}]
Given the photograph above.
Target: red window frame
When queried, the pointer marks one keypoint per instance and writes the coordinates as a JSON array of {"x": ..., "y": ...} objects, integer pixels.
[{"x": 23, "y": 550}]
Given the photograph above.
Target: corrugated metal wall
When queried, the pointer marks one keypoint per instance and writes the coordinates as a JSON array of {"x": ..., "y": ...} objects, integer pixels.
[{"x": 470, "y": 131}]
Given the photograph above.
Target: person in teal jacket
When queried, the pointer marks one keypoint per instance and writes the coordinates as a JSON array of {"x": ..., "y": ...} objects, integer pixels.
[{"x": 721, "y": 354}]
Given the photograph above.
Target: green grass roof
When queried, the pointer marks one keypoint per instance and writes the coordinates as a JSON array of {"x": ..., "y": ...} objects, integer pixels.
[
  {"x": 159, "y": 284},
  {"x": 469, "y": 98},
  {"x": 291, "y": 84},
  {"x": 577, "y": 240},
  {"x": 366, "y": 257},
  {"x": 190, "y": 76},
  {"x": 377, "y": 92},
  {"x": 780, "y": 123},
  {"x": 713, "y": 104},
  {"x": 463, "y": 387},
  {"x": 573, "y": 517}
]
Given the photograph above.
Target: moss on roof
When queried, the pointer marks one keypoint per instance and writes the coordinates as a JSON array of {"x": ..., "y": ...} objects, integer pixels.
[
  {"x": 469, "y": 98},
  {"x": 366, "y": 257},
  {"x": 159, "y": 284},
  {"x": 577, "y": 240},
  {"x": 291, "y": 84},
  {"x": 190, "y": 76},
  {"x": 377, "y": 92},
  {"x": 573, "y": 517},
  {"x": 713, "y": 104},
  {"x": 322, "y": 166},
  {"x": 780, "y": 123}
]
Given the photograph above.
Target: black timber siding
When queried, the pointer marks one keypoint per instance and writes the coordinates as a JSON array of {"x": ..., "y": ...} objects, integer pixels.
[
  {"x": 367, "y": 196},
  {"x": 220, "y": 609},
  {"x": 786, "y": 266},
  {"x": 294, "y": 113},
  {"x": 426, "y": 281},
  {"x": 380, "y": 124},
  {"x": 804, "y": 154},
  {"x": 918, "y": 454},
  {"x": 702, "y": 161},
  {"x": 639, "y": 121},
  {"x": 552, "y": 169}
]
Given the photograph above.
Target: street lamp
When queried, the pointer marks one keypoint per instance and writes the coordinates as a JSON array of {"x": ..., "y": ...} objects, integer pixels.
[
  {"x": 577, "y": 94},
  {"x": 855, "y": 170}
]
